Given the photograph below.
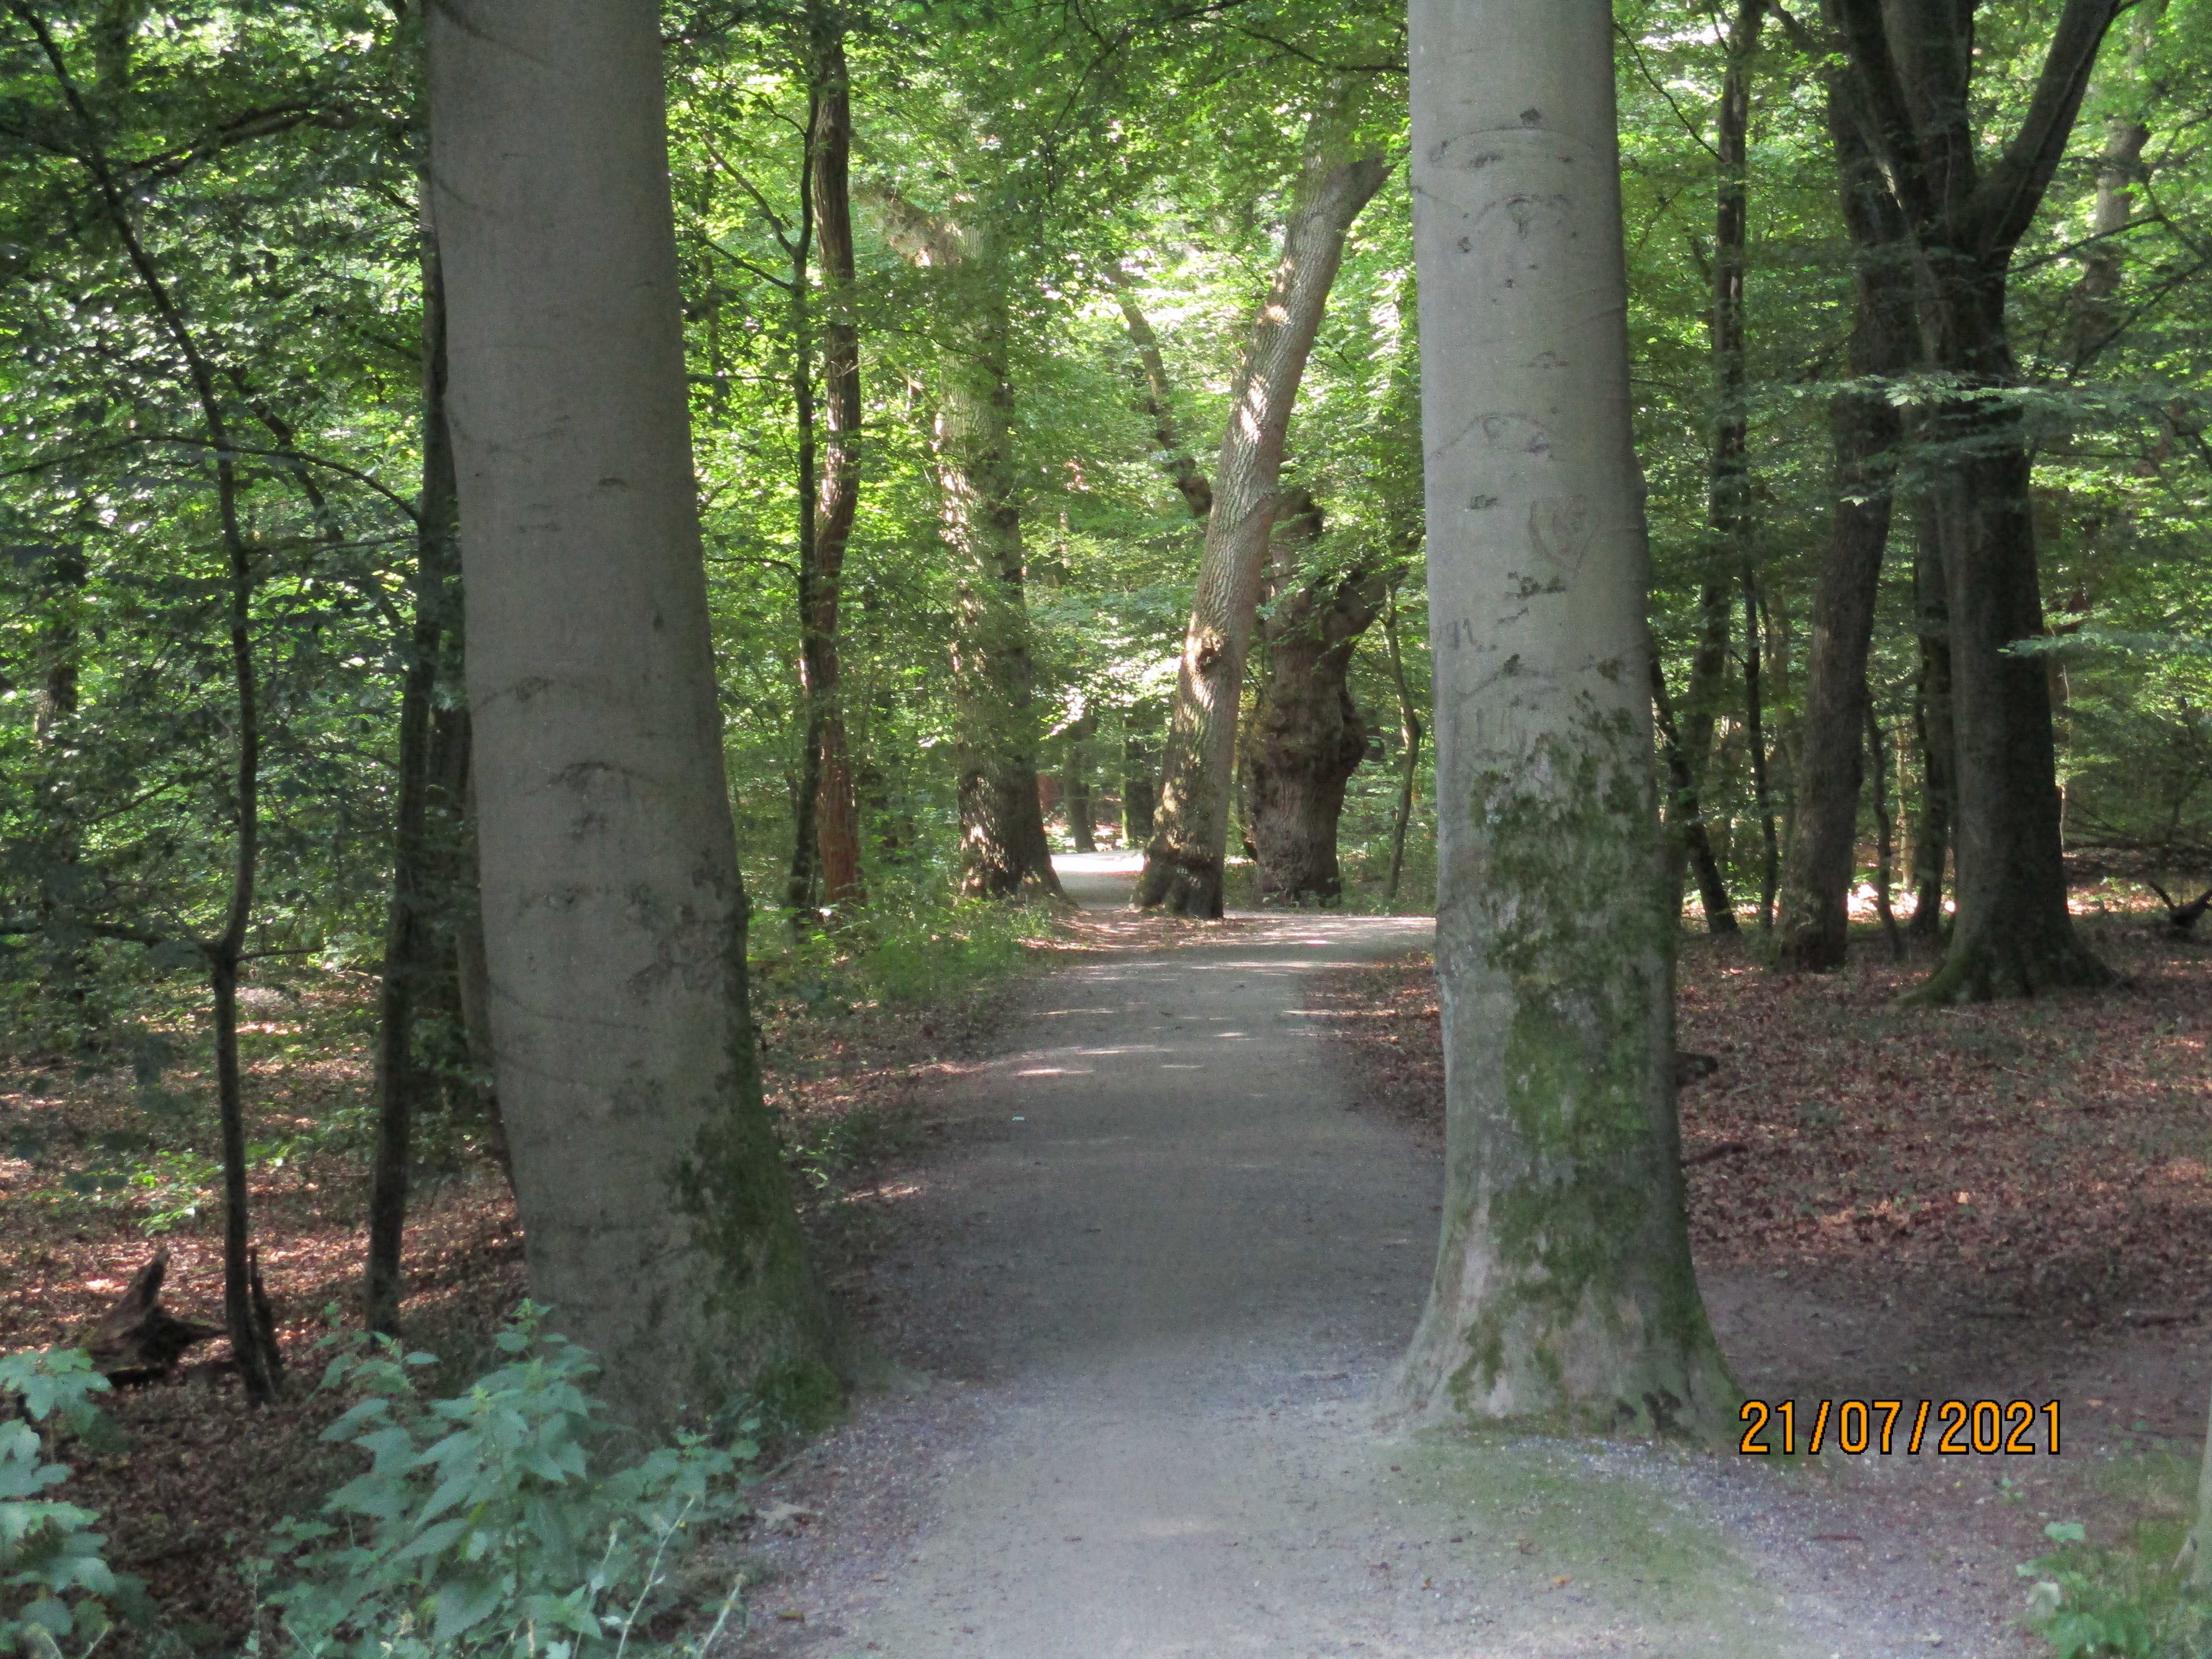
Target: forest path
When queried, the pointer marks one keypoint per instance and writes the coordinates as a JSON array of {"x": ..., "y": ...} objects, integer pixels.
[{"x": 1146, "y": 1294}]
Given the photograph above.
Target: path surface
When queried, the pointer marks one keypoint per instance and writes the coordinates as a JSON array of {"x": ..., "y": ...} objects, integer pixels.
[{"x": 1168, "y": 1264}]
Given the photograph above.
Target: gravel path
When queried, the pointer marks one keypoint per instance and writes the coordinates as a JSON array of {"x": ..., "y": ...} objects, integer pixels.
[{"x": 1143, "y": 1298}]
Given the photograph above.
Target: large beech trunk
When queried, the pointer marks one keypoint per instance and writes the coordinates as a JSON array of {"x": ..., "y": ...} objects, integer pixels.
[
  {"x": 1184, "y": 861},
  {"x": 1307, "y": 735},
  {"x": 1563, "y": 1285},
  {"x": 659, "y": 1226},
  {"x": 1912, "y": 71},
  {"x": 1003, "y": 850},
  {"x": 1866, "y": 430}
]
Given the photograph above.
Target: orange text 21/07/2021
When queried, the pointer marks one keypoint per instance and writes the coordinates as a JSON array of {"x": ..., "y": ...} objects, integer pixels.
[{"x": 1951, "y": 1427}]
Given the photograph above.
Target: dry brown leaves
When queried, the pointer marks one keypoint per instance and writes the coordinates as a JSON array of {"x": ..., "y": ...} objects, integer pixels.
[{"x": 2049, "y": 1159}]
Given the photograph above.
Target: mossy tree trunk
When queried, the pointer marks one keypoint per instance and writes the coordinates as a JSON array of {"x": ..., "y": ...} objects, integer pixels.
[
  {"x": 658, "y": 1222},
  {"x": 1562, "y": 1286}
]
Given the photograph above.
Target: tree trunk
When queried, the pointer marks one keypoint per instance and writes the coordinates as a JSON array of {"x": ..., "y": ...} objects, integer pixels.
[
  {"x": 1866, "y": 432},
  {"x": 1931, "y": 709},
  {"x": 1562, "y": 1286},
  {"x": 1308, "y": 738},
  {"x": 1913, "y": 70},
  {"x": 1884, "y": 872},
  {"x": 1184, "y": 861},
  {"x": 1754, "y": 734},
  {"x": 1138, "y": 794},
  {"x": 1686, "y": 819},
  {"x": 837, "y": 811},
  {"x": 410, "y": 927},
  {"x": 658, "y": 1222},
  {"x": 798, "y": 251},
  {"x": 1409, "y": 741},
  {"x": 1075, "y": 775},
  {"x": 1003, "y": 850}
]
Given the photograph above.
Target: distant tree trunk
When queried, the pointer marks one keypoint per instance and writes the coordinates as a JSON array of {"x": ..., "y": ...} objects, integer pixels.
[
  {"x": 1307, "y": 737},
  {"x": 797, "y": 244},
  {"x": 2120, "y": 170},
  {"x": 1002, "y": 843},
  {"x": 1563, "y": 1286},
  {"x": 837, "y": 810},
  {"x": 1754, "y": 732},
  {"x": 1409, "y": 741},
  {"x": 1931, "y": 708},
  {"x": 1686, "y": 819},
  {"x": 1184, "y": 861},
  {"x": 1877, "y": 755},
  {"x": 1139, "y": 795},
  {"x": 657, "y": 1223},
  {"x": 1082, "y": 830},
  {"x": 412, "y": 919},
  {"x": 1866, "y": 431},
  {"x": 1913, "y": 67}
]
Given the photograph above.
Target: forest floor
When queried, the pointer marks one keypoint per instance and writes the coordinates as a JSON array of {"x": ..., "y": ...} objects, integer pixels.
[
  {"x": 1179, "y": 1226},
  {"x": 1137, "y": 1237}
]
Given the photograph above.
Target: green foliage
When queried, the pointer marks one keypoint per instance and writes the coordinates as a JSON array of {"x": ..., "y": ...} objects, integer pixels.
[
  {"x": 53, "y": 1576},
  {"x": 481, "y": 1525},
  {"x": 2127, "y": 1599}
]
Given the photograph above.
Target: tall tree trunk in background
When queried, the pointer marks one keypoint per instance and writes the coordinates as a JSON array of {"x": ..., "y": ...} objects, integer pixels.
[
  {"x": 411, "y": 930},
  {"x": 1075, "y": 780},
  {"x": 1184, "y": 861},
  {"x": 797, "y": 244},
  {"x": 1307, "y": 736},
  {"x": 1884, "y": 870},
  {"x": 837, "y": 810},
  {"x": 1409, "y": 741},
  {"x": 1931, "y": 713},
  {"x": 1685, "y": 818},
  {"x": 1913, "y": 70},
  {"x": 1139, "y": 796},
  {"x": 1563, "y": 1285},
  {"x": 1754, "y": 734},
  {"x": 1866, "y": 431},
  {"x": 2120, "y": 170},
  {"x": 1002, "y": 843},
  {"x": 54, "y": 811},
  {"x": 1727, "y": 498},
  {"x": 652, "y": 1200}
]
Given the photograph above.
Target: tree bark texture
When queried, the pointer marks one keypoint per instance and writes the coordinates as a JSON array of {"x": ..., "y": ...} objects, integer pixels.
[
  {"x": 1563, "y": 1285},
  {"x": 837, "y": 810},
  {"x": 1003, "y": 851},
  {"x": 1409, "y": 738},
  {"x": 1307, "y": 736},
  {"x": 1931, "y": 710},
  {"x": 1184, "y": 861},
  {"x": 657, "y": 1223},
  {"x": 1866, "y": 432},
  {"x": 1912, "y": 69}
]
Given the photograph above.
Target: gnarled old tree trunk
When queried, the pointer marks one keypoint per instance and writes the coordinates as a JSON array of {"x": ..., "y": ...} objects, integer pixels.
[
  {"x": 1183, "y": 862},
  {"x": 1912, "y": 69},
  {"x": 652, "y": 1200},
  {"x": 1563, "y": 1285},
  {"x": 1002, "y": 843},
  {"x": 1307, "y": 736},
  {"x": 1866, "y": 430}
]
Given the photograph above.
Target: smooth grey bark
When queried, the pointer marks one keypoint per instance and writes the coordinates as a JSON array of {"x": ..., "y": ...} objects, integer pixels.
[
  {"x": 657, "y": 1219},
  {"x": 1340, "y": 174},
  {"x": 1563, "y": 1285}
]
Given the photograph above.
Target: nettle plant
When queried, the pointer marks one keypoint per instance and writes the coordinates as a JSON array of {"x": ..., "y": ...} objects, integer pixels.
[
  {"x": 482, "y": 1526},
  {"x": 55, "y": 1582}
]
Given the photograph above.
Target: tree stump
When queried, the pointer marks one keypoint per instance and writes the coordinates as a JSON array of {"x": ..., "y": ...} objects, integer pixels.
[{"x": 139, "y": 1340}]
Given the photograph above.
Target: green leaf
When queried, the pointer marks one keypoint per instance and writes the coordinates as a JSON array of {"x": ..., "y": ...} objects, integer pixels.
[
  {"x": 462, "y": 1604},
  {"x": 2066, "y": 1532}
]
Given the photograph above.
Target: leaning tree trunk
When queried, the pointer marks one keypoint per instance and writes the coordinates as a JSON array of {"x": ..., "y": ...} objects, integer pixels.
[
  {"x": 1190, "y": 833},
  {"x": 1307, "y": 737},
  {"x": 1003, "y": 849},
  {"x": 1866, "y": 431},
  {"x": 1563, "y": 1285},
  {"x": 659, "y": 1226}
]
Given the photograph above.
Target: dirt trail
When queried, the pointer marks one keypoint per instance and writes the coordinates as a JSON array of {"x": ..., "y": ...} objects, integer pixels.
[{"x": 1146, "y": 1297}]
